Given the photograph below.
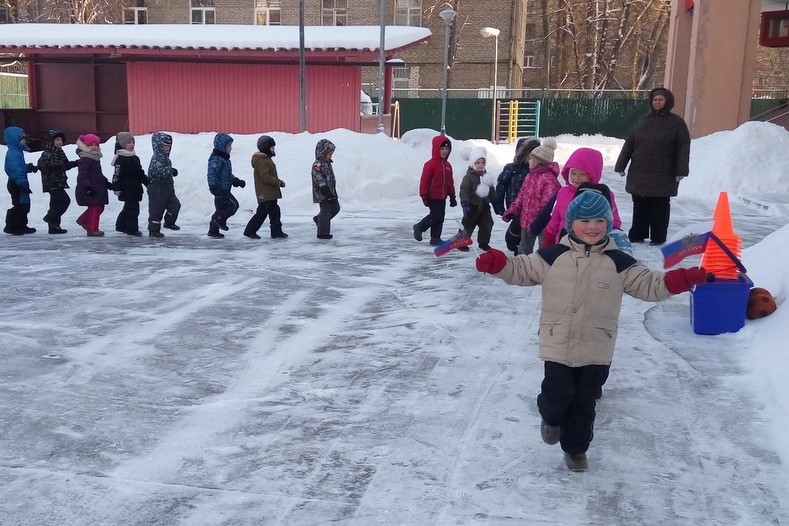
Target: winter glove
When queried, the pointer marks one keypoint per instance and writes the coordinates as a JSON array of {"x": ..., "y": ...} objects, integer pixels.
[
  {"x": 239, "y": 182},
  {"x": 548, "y": 239},
  {"x": 32, "y": 168},
  {"x": 680, "y": 178},
  {"x": 453, "y": 201},
  {"x": 282, "y": 184},
  {"x": 174, "y": 172},
  {"x": 466, "y": 206},
  {"x": 72, "y": 164},
  {"x": 506, "y": 216},
  {"x": 25, "y": 190},
  {"x": 90, "y": 191},
  {"x": 683, "y": 279},
  {"x": 425, "y": 201},
  {"x": 493, "y": 261},
  {"x": 498, "y": 208},
  {"x": 621, "y": 174}
]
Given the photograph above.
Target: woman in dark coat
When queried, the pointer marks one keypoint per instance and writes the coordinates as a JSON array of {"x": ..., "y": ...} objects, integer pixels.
[
  {"x": 127, "y": 181},
  {"x": 658, "y": 150}
]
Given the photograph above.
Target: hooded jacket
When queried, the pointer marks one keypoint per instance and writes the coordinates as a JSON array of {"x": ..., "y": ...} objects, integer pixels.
[
  {"x": 658, "y": 150},
  {"x": 15, "y": 166},
  {"x": 324, "y": 185},
  {"x": 582, "y": 288},
  {"x": 53, "y": 164},
  {"x": 437, "y": 182},
  {"x": 220, "y": 170},
  {"x": 511, "y": 178},
  {"x": 160, "y": 169},
  {"x": 590, "y": 161}
]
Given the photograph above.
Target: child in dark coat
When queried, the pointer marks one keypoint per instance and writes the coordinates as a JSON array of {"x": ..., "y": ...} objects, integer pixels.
[
  {"x": 162, "y": 201},
  {"x": 127, "y": 181},
  {"x": 583, "y": 279},
  {"x": 220, "y": 182},
  {"x": 476, "y": 191},
  {"x": 53, "y": 164},
  {"x": 324, "y": 188},
  {"x": 18, "y": 185},
  {"x": 435, "y": 185},
  {"x": 509, "y": 184},
  {"x": 92, "y": 186},
  {"x": 268, "y": 190}
]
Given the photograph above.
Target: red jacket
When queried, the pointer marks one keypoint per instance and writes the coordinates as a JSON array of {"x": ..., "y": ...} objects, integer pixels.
[{"x": 437, "y": 182}]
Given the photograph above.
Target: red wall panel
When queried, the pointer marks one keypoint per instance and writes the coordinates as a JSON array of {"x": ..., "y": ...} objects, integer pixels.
[{"x": 239, "y": 98}]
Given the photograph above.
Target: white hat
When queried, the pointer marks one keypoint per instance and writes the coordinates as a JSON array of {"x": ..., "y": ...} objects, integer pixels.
[{"x": 475, "y": 154}]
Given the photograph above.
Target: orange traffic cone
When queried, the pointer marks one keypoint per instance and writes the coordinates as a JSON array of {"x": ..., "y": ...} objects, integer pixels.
[{"x": 715, "y": 260}]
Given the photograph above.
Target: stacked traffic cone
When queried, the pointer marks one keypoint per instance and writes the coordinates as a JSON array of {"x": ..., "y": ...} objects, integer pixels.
[{"x": 715, "y": 260}]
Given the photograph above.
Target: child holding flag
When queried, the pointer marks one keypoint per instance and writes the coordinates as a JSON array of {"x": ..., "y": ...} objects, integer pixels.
[{"x": 583, "y": 279}]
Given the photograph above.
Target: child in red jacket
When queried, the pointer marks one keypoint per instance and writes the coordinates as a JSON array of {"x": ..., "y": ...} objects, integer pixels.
[{"x": 434, "y": 187}]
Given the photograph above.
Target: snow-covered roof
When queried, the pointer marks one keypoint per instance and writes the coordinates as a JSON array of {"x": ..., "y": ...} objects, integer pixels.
[{"x": 221, "y": 36}]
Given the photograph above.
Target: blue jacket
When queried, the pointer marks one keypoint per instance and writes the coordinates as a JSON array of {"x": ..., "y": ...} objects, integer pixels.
[
  {"x": 15, "y": 166},
  {"x": 220, "y": 170}
]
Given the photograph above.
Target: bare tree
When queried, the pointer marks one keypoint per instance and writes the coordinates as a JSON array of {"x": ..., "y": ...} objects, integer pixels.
[
  {"x": 64, "y": 11},
  {"x": 606, "y": 44}
]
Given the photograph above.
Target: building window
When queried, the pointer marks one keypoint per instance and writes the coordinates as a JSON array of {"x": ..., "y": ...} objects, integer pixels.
[
  {"x": 531, "y": 31},
  {"x": 136, "y": 13},
  {"x": 3, "y": 15},
  {"x": 529, "y": 62},
  {"x": 334, "y": 12},
  {"x": 203, "y": 12},
  {"x": 405, "y": 81},
  {"x": 408, "y": 13},
  {"x": 267, "y": 12}
]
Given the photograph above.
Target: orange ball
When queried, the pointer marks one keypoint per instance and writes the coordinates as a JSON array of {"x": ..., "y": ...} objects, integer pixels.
[{"x": 760, "y": 304}]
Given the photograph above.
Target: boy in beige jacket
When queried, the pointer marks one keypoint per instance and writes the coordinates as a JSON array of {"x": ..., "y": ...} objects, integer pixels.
[{"x": 583, "y": 279}]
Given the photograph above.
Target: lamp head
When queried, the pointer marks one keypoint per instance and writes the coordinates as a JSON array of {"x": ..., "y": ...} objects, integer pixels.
[
  {"x": 447, "y": 15},
  {"x": 490, "y": 32}
]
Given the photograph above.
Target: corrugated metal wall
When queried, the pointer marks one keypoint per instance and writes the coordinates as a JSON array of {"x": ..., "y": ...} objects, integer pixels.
[{"x": 240, "y": 98}]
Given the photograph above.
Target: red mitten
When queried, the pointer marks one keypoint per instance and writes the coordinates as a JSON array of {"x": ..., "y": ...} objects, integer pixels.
[
  {"x": 683, "y": 279},
  {"x": 548, "y": 239},
  {"x": 492, "y": 261}
]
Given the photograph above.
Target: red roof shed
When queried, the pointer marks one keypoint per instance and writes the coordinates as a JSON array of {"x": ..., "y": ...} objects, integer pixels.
[{"x": 189, "y": 78}]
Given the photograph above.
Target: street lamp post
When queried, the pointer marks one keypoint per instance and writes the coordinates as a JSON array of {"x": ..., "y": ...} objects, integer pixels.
[
  {"x": 493, "y": 32},
  {"x": 447, "y": 15}
]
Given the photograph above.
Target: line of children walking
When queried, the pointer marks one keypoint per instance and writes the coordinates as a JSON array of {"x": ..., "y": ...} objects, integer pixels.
[{"x": 129, "y": 181}]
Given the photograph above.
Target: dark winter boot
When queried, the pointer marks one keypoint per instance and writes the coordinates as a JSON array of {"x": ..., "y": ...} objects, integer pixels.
[
  {"x": 172, "y": 226},
  {"x": 155, "y": 229},
  {"x": 213, "y": 230},
  {"x": 10, "y": 224},
  {"x": 279, "y": 235},
  {"x": 417, "y": 232},
  {"x": 550, "y": 434},
  {"x": 54, "y": 228},
  {"x": 220, "y": 221},
  {"x": 434, "y": 242},
  {"x": 252, "y": 235},
  {"x": 576, "y": 462}
]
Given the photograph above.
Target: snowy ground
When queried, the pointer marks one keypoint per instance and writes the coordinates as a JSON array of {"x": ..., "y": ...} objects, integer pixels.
[{"x": 362, "y": 380}]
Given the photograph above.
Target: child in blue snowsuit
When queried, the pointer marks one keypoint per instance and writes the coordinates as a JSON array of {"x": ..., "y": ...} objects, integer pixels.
[
  {"x": 220, "y": 182},
  {"x": 18, "y": 186}
]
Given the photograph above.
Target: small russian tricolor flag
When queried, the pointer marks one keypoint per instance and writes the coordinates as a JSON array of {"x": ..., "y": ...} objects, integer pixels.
[{"x": 689, "y": 241}]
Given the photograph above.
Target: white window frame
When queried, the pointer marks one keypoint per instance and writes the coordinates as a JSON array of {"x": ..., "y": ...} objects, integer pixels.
[
  {"x": 196, "y": 7},
  {"x": 137, "y": 11},
  {"x": 529, "y": 61},
  {"x": 334, "y": 14},
  {"x": 408, "y": 14},
  {"x": 266, "y": 7},
  {"x": 406, "y": 77}
]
